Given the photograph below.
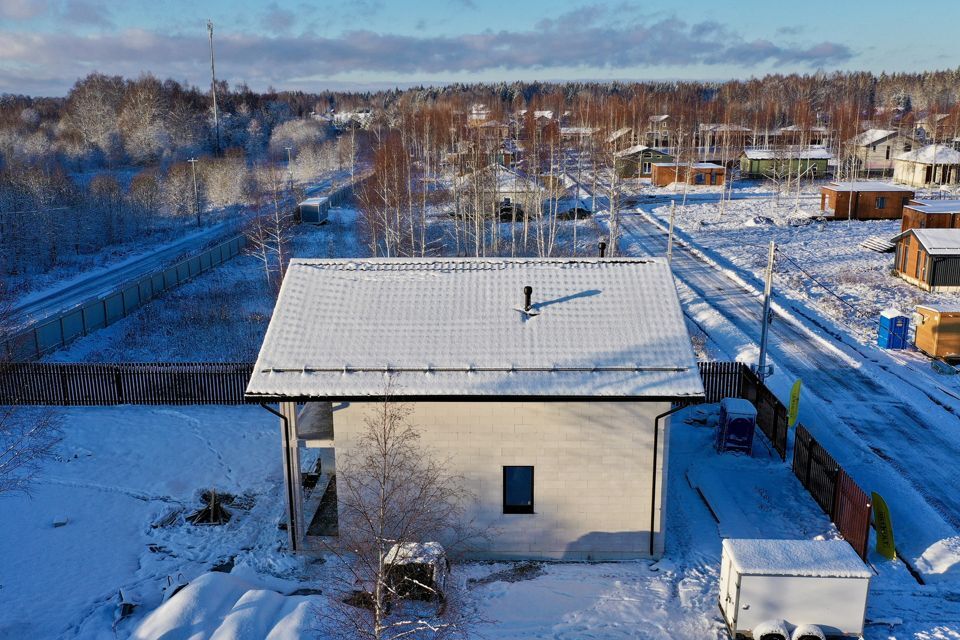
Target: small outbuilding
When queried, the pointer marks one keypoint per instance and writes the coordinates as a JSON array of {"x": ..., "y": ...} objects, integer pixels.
[
  {"x": 695, "y": 173},
  {"x": 764, "y": 163},
  {"x": 314, "y": 210},
  {"x": 931, "y": 214},
  {"x": 867, "y": 200},
  {"x": 637, "y": 161},
  {"x": 938, "y": 331},
  {"x": 929, "y": 258},
  {"x": 934, "y": 164}
]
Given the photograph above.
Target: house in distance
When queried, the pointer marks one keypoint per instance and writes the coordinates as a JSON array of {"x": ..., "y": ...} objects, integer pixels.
[
  {"x": 931, "y": 214},
  {"x": 865, "y": 200},
  {"x": 546, "y": 383}
]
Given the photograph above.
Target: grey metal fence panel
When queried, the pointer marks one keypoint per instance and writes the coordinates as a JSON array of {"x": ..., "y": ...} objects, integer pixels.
[
  {"x": 193, "y": 264},
  {"x": 131, "y": 299},
  {"x": 94, "y": 316},
  {"x": 170, "y": 278},
  {"x": 146, "y": 289},
  {"x": 205, "y": 261},
  {"x": 49, "y": 336},
  {"x": 114, "y": 307},
  {"x": 183, "y": 271},
  {"x": 23, "y": 346},
  {"x": 157, "y": 285},
  {"x": 72, "y": 325}
]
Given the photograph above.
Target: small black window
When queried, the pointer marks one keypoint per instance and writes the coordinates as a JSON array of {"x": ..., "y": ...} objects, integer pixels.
[
  {"x": 881, "y": 202},
  {"x": 518, "y": 489}
]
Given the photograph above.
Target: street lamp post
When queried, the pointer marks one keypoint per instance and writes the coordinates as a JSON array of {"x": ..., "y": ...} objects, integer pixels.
[{"x": 196, "y": 191}]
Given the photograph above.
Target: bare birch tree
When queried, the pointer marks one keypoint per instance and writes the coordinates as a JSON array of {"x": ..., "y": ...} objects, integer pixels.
[{"x": 393, "y": 493}]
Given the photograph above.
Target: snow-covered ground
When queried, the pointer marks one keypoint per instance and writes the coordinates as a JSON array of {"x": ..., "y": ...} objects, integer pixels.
[
  {"x": 821, "y": 263},
  {"x": 220, "y": 316},
  {"x": 118, "y": 476},
  {"x": 122, "y": 470}
]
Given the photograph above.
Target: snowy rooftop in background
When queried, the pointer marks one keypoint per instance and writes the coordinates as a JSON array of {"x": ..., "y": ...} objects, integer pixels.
[
  {"x": 866, "y": 185},
  {"x": 694, "y": 165},
  {"x": 821, "y": 558},
  {"x": 936, "y": 242},
  {"x": 629, "y": 151},
  {"x": 935, "y": 206},
  {"x": 871, "y": 136},
  {"x": 932, "y": 154},
  {"x": 457, "y": 327},
  {"x": 619, "y": 133},
  {"x": 314, "y": 201},
  {"x": 812, "y": 153}
]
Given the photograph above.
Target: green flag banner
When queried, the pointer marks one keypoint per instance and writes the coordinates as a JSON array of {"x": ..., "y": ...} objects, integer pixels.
[
  {"x": 884, "y": 526},
  {"x": 794, "y": 404}
]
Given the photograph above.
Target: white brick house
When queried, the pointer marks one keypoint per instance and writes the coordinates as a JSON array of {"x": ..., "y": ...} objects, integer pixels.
[{"x": 556, "y": 415}]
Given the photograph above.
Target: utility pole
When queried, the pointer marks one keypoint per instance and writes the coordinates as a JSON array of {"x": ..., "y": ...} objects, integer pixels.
[
  {"x": 196, "y": 191},
  {"x": 765, "y": 319},
  {"x": 213, "y": 87},
  {"x": 289, "y": 168},
  {"x": 673, "y": 209}
]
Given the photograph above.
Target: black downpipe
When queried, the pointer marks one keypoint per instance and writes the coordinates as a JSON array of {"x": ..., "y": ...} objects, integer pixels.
[
  {"x": 653, "y": 491},
  {"x": 291, "y": 510}
]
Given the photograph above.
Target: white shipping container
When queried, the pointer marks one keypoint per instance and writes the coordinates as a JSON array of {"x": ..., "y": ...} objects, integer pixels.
[{"x": 818, "y": 582}]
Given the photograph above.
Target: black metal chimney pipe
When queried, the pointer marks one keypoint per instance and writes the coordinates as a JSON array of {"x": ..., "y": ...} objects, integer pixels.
[
  {"x": 527, "y": 292},
  {"x": 603, "y": 248}
]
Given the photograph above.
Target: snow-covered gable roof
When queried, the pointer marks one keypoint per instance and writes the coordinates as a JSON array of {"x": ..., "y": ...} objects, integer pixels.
[
  {"x": 867, "y": 185},
  {"x": 456, "y": 327},
  {"x": 932, "y": 154},
  {"x": 934, "y": 206},
  {"x": 936, "y": 242},
  {"x": 813, "y": 558},
  {"x": 717, "y": 127},
  {"x": 660, "y": 118},
  {"x": 629, "y": 151},
  {"x": 619, "y": 133},
  {"x": 871, "y": 137},
  {"x": 789, "y": 153}
]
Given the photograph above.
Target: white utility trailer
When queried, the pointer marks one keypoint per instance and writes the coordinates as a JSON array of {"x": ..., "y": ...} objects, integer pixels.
[{"x": 797, "y": 582}]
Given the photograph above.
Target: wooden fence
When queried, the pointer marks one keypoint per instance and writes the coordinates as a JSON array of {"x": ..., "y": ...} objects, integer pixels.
[
  {"x": 837, "y": 494},
  {"x": 148, "y": 383}
]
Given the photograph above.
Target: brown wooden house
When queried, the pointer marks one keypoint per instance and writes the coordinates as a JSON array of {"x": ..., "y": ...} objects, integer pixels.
[
  {"x": 866, "y": 200},
  {"x": 931, "y": 214},
  {"x": 694, "y": 173},
  {"x": 929, "y": 258}
]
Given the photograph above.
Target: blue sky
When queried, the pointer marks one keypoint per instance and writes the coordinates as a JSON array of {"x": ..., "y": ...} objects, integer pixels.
[{"x": 47, "y": 44}]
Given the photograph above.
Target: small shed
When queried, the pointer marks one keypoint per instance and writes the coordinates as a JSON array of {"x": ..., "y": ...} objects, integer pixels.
[
  {"x": 637, "y": 161},
  {"x": 314, "y": 210},
  {"x": 929, "y": 258},
  {"x": 931, "y": 214},
  {"x": 695, "y": 173},
  {"x": 934, "y": 164},
  {"x": 938, "y": 331},
  {"x": 866, "y": 200}
]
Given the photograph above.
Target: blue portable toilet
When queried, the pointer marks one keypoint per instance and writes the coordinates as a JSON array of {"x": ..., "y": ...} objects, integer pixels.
[
  {"x": 738, "y": 420},
  {"x": 893, "y": 330}
]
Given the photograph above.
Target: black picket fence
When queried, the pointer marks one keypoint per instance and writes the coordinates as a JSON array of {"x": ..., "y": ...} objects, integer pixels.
[
  {"x": 837, "y": 494},
  {"x": 105, "y": 384}
]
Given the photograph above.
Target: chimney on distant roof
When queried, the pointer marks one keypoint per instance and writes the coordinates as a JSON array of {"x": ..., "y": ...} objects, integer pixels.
[
  {"x": 603, "y": 248},
  {"x": 527, "y": 292}
]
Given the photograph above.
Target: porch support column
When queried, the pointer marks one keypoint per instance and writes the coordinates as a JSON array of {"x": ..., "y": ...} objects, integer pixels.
[{"x": 296, "y": 527}]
